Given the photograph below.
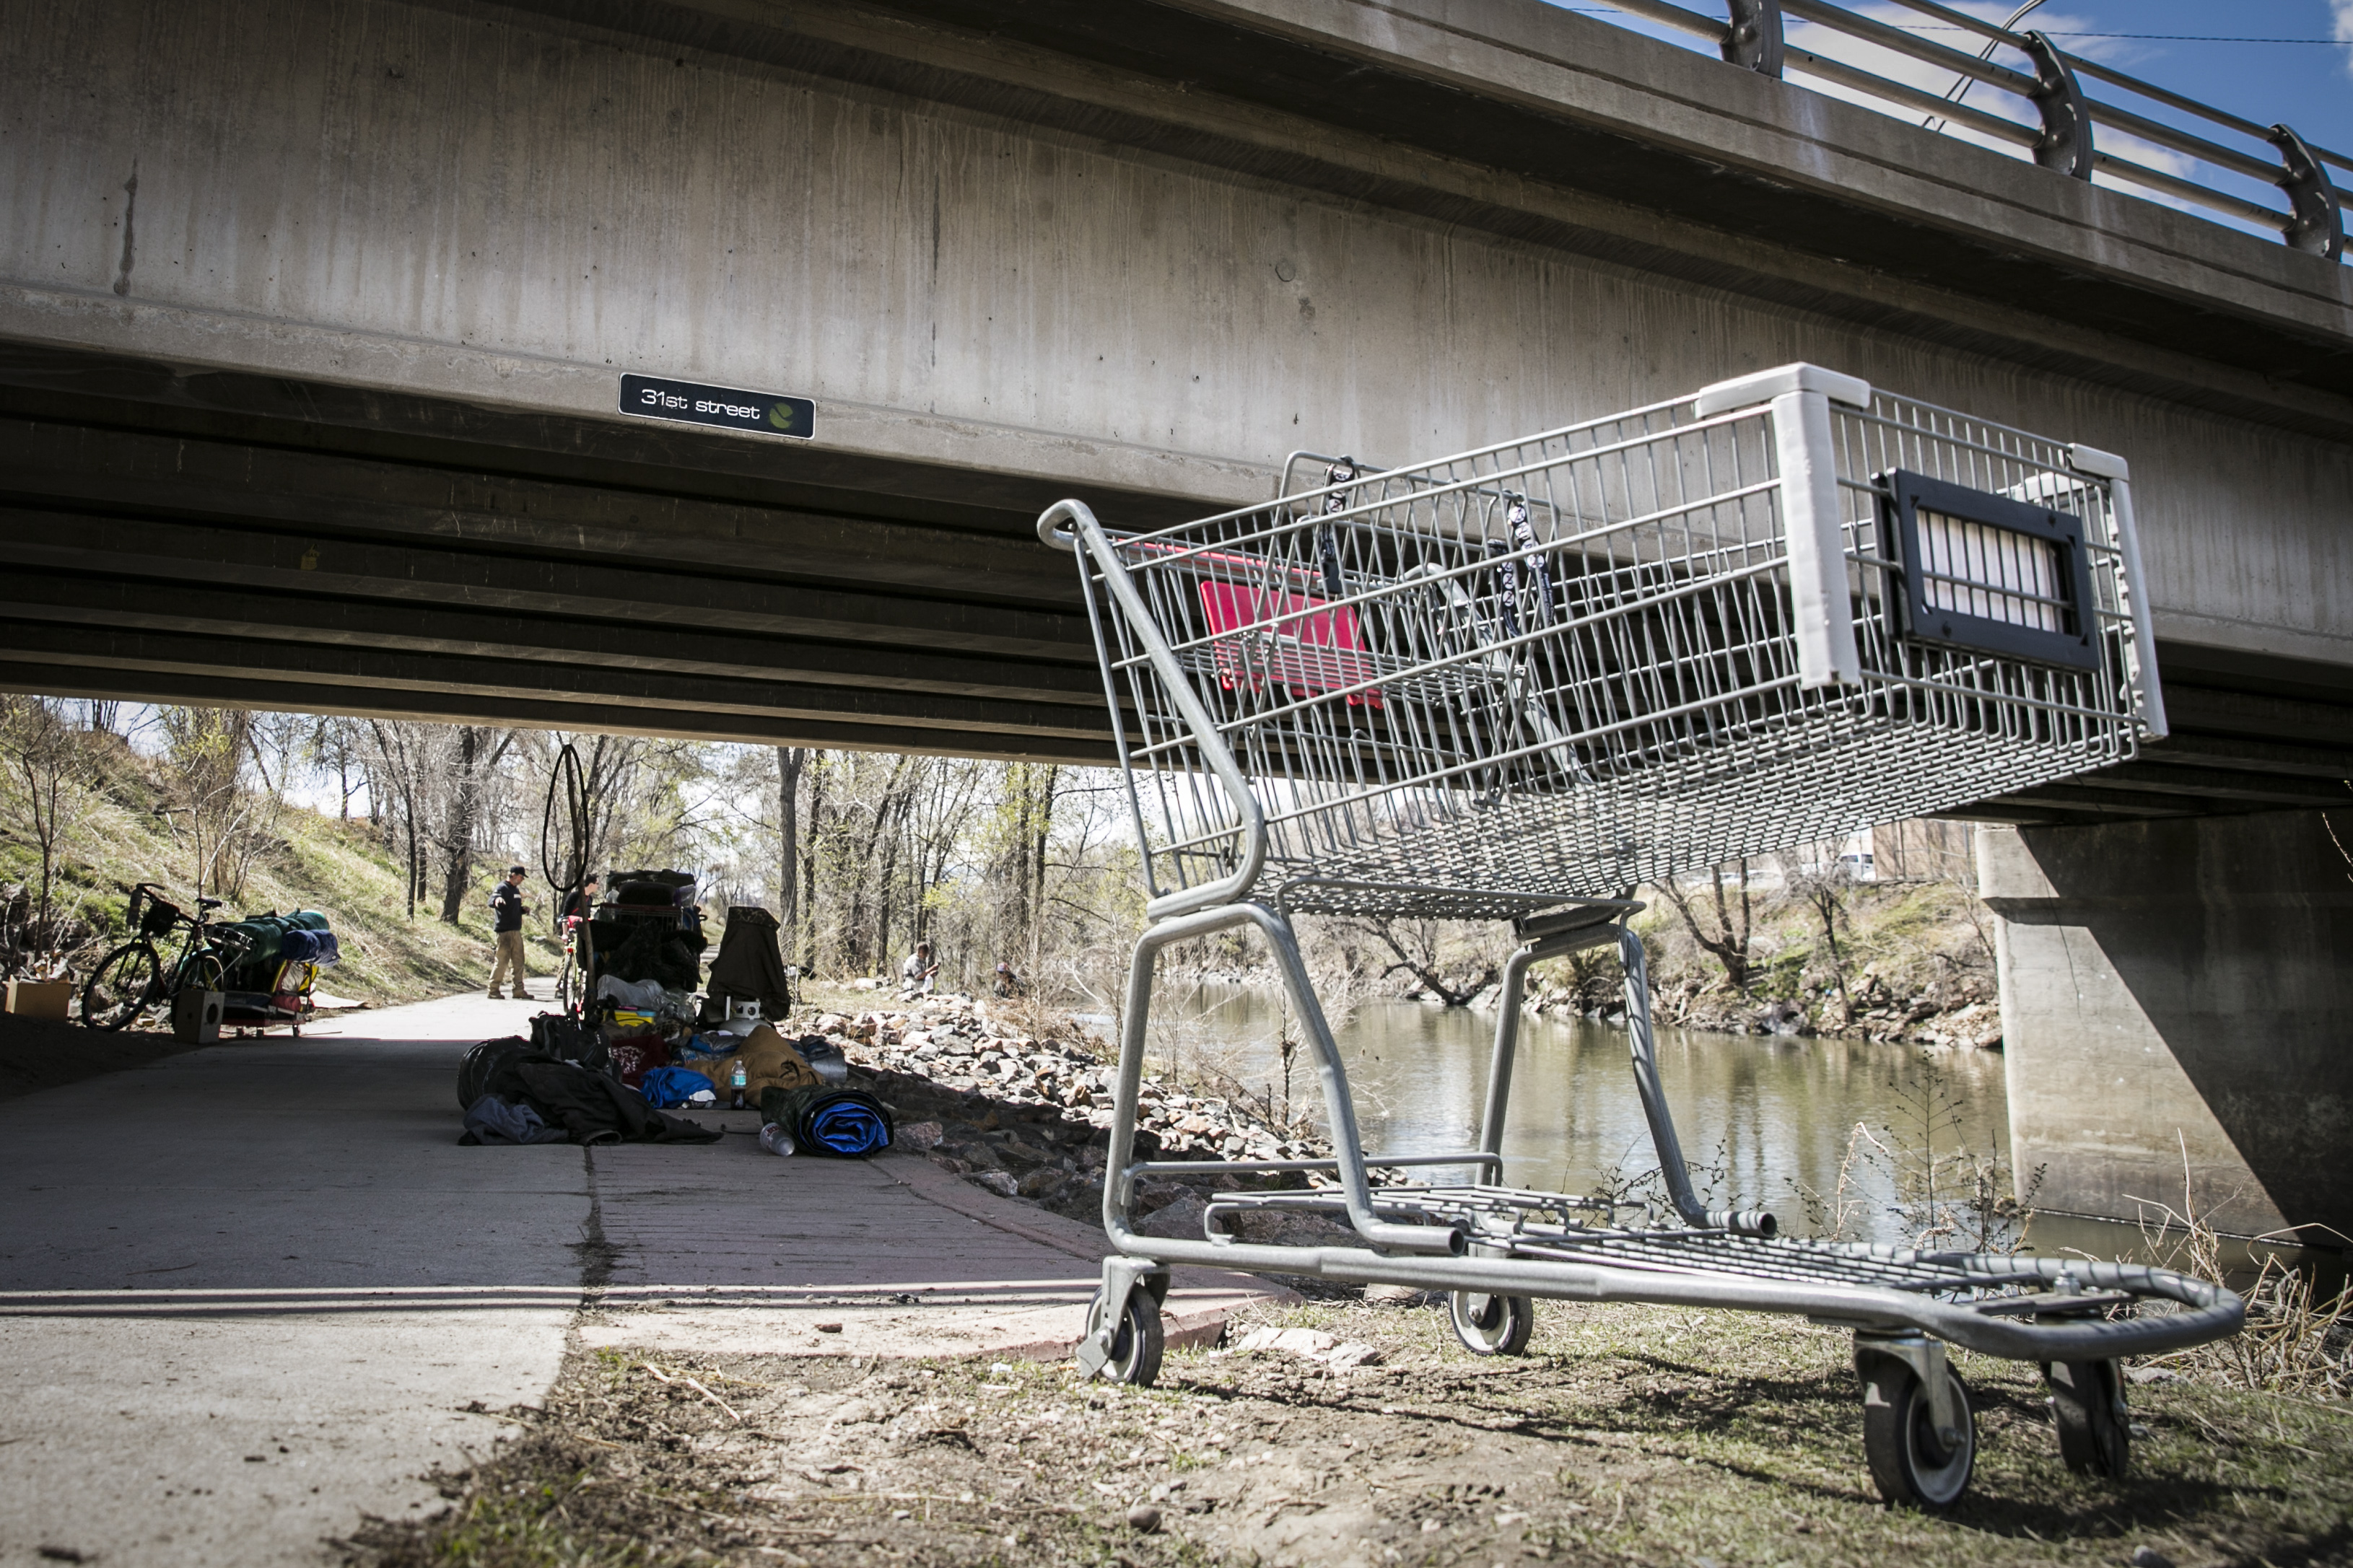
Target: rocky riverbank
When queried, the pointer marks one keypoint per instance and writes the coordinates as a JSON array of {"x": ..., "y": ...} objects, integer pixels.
[
  {"x": 1023, "y": 1109},
  {"x": 1941, "y": 1015}
]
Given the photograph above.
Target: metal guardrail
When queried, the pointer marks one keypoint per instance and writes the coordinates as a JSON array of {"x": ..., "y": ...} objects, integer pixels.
[{"x": 2309, "y": 216}]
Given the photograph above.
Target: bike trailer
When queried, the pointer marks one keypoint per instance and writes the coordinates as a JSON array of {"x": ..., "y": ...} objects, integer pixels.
[{"x": 283, "y": 955}]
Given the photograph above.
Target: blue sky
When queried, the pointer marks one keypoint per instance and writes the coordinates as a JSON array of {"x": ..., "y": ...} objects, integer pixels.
[{"x": 2184, "y": 45}]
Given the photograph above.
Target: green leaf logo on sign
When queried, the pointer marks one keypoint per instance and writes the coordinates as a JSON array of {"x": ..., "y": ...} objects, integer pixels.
[{"x": 718, "y": 407}]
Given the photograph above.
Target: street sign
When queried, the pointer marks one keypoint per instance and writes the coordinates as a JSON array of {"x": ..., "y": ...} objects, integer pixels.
[{"x": 725, "y": 407}]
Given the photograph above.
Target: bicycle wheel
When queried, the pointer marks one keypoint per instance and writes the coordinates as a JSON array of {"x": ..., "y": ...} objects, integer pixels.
[{"x": 124, "y": 986}]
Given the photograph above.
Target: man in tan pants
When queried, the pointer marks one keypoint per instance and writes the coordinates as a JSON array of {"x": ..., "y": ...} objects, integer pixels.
[{"x": 507, "y": 909}]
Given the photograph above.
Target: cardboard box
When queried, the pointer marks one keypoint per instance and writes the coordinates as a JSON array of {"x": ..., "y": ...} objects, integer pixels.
[
  {"x": 40, "y": 998},
  {"x": 196, "y": 1016}
]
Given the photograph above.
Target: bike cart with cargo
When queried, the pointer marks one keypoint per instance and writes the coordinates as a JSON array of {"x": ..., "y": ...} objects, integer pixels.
[
  {"x": 271, "y": 986},
  {"x": 1520, "y": 682}
]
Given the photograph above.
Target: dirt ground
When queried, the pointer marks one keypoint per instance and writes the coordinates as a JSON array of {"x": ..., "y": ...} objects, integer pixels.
[{"x": 1629, "y": 1435}]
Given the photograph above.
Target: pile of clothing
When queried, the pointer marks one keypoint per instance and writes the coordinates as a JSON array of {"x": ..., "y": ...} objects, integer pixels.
[
  {"x": 563, "y": 1085},
  {"x": 512, "y": 1093}
]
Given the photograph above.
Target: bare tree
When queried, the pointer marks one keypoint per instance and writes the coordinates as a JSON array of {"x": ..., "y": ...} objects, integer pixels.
[
  {"x": 1414, "y": 948},
  {"x": 790, "y": 763},
  {"x": 1730, "y": 941},
  {"x": 222, "y": 820},
  {"x": 333, "y": 747},
  {"x": 479, "y": 750},
  {"x": 820, "y": 771},
  {"x": 401, "y": 760},
  {"x": 1018, "y": 835},
  {"x": 49, "y": 777},
  {"x": 1824, "y": 889}
]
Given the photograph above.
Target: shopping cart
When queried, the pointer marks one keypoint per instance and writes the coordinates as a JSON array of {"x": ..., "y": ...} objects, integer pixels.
[{"x": 1520, "y": 682}]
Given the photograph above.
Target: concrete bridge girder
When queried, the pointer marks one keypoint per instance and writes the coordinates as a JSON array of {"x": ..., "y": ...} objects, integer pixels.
[{"x": 961, "y": 289}]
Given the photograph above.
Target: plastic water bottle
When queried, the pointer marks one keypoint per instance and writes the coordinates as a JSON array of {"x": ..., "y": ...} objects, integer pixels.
[
  {"x": 777, "y": 1138},
  {"x": 737, "y": 1081}
]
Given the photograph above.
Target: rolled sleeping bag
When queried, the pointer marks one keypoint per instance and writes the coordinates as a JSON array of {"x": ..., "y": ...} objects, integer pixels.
[{"x": 848, "y": 1123}]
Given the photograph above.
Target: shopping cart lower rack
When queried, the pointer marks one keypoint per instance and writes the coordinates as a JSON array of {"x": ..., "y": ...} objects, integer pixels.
[{"x": 1519, "y": 682}]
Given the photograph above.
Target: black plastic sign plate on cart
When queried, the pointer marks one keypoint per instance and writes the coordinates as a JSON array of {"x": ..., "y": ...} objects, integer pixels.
[{"x": 727, "y": 408}]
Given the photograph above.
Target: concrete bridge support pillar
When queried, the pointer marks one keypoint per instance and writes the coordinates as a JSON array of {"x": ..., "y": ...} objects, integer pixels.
[{"x": 2180, "y": 984}]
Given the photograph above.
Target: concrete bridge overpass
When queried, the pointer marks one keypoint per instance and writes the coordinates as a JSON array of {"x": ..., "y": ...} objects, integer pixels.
[{"x": 313, "y": 315}]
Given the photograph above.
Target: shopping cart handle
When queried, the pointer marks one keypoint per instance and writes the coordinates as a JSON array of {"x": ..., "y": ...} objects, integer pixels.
[{"x": 1054, "y": 527}]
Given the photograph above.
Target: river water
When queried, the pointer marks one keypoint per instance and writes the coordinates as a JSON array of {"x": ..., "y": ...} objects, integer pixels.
[{"x": 1770, "y": 1117}]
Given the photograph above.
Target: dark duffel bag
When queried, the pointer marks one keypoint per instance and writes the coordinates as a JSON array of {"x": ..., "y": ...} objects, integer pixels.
[
  {"x": 567, "y": 1039},
  {"x": 488, "y": 1068}
]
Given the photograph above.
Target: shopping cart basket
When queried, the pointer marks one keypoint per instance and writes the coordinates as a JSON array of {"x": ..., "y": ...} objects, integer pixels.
[{"x": 1520, "y": 682}]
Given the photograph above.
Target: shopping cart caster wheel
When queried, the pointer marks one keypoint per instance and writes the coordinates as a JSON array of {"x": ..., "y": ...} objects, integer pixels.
[
  {"x": 1136, "y": 1348},
  {"x": 1493, "y": 1325},
  {"x": 2087, "y": 1401},
  {"x": 1911, "y": 1463}
]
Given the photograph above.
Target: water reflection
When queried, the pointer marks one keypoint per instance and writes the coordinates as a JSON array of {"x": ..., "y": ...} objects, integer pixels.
[{"x": 1770, "y": 1114}]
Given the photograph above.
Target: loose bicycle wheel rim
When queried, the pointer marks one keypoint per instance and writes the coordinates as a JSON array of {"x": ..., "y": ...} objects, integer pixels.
[
  {"x": 204, "y": 972},
  {"x": 121, "y": 988}
]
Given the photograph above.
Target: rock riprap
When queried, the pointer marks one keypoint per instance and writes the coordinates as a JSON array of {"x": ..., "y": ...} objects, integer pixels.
[{"x": 1026, "y": 1113}]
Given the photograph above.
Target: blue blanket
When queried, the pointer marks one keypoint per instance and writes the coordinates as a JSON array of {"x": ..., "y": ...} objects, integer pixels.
[{"x": 666, "y": 1089}]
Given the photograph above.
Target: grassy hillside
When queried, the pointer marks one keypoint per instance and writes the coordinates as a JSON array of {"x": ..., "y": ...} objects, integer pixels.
[{"x": 307, "y": 861}]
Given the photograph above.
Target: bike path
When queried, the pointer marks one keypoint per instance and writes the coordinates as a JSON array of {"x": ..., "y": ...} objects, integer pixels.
[{"x": 251, "y": 1293}]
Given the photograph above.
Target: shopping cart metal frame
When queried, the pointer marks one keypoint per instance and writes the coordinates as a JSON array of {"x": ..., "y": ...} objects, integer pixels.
[{"x": 1304, "y": 608}]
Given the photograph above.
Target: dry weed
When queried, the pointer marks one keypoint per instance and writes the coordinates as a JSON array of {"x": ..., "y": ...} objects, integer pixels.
[{"x": 2294, "y": 1342}]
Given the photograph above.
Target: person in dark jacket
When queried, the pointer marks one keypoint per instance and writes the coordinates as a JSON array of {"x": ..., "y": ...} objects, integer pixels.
[
  {"x": 580, "y": 903},
  {"x": 507, "y": 909}
]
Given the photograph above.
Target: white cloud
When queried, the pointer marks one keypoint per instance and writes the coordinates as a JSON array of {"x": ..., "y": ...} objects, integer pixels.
[{"x": 2344, "y": 10}]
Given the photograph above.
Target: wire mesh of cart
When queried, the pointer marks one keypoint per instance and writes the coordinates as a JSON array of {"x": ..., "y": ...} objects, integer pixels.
[{"x": 1519, "y": 682}]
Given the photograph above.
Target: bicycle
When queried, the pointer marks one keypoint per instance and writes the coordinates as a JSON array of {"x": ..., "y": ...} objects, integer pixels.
[
  {"x": 575, "y": 973},
  {"x": 132, "y": 978}
]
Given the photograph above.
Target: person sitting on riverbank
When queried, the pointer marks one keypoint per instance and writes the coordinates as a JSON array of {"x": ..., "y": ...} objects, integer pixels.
[{"x": 920, "y": 972}]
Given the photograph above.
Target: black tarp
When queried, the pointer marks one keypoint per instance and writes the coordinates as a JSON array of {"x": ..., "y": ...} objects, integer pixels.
[{"x": 749, "y": 966}]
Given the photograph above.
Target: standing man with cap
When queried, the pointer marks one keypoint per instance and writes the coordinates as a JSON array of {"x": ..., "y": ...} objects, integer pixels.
[{"x": 507, "y": 909}]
